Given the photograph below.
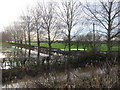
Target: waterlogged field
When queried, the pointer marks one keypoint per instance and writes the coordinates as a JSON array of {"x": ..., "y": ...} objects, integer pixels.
[
  {"x": 23, "y": 68},
  {"x": 88, "y": 77}
]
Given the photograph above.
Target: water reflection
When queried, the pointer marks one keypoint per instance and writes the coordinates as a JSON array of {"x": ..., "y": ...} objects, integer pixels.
[
  {"x": 2, "y": 55},
  {"x": 20, "y": 57},
  {"x": 19, "y": 62},
  {"x": 78, "y": 76}
]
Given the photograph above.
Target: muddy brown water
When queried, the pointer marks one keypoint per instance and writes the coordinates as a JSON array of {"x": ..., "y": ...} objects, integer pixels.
[{"x": 13, "y": 57}]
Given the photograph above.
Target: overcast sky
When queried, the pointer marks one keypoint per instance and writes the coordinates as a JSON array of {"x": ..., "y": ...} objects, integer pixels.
[{"x": 10, "y": 10}]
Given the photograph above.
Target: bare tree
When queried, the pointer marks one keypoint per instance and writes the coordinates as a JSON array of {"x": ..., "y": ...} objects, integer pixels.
[
  {"x": 106, "y": 15},
  {"x": 18, "y": 31},
  {"x": 69, "y": 14},
  {"x": 27, "y": 19},
  {"x": 37, "y": 22},
  {"x": 49, "y": 22},
  {"x": 13, "y": 32},
  {"x": 77, "y": 42},
  {"x": 23, "y": 28},
  {"x": 37, "y": 25},
  {"x": 10, "y": 33}
]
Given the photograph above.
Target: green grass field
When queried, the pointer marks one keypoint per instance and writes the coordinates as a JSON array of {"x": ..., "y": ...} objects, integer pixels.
[
  {"x": 5, "y": 44},
  {"x": 103, "y": 47},
  {"x": 56, "y": 45}
]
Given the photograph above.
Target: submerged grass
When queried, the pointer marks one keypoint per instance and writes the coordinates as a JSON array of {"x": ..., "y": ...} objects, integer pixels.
[
  {"x": 78, "y": 78},
  {"x": 89, "y": 76}
]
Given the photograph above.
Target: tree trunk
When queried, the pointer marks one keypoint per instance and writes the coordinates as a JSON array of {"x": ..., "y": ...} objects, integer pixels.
[
  {"x": 21, "y": 41},
  {"x": 49, "y": 43},
  {"x": 77, "y": 46},
  {"x": 14, "y": 39},
  {"x": 109, "y": 46},
  {"x": 67, "y": 64},
  {"x": 69, "y": 42},
  {"x": 109, "y": 31},
  {"x": 109, "y": 42},
  {"x": 94, "y": 48},
  {"x": 29, "y": 40},
  {"x": 25, "y": 37},
  {"x": 84, "y": 49},
  {"x": 118, "y": 45},
  {"x": 29, "y": 53},
  {"x": 38, "y": 43}
]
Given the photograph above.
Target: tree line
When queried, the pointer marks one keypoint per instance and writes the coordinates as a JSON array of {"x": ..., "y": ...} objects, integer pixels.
[{"x": 52, "y": 20}]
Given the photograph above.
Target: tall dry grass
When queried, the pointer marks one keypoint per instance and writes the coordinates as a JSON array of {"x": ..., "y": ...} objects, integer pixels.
[{"x": 106, "y": 76}]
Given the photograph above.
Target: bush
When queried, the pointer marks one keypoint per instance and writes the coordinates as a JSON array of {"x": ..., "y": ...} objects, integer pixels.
[{"x": 87, "y": 58}]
